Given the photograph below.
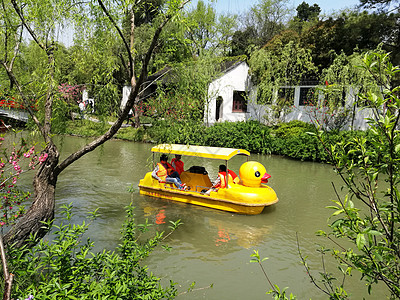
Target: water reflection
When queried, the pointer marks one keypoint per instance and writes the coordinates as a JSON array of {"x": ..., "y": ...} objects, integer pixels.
[{"x": 224, "y": 230}]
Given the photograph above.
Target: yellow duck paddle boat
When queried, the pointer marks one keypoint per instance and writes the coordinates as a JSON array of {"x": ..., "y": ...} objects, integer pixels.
[{"x": 249, "y": 196}]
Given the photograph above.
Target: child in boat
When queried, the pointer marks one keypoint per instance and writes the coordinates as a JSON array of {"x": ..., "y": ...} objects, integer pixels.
[
  {"x": 164, "y": 172},
  {"x": 220, "y": 181}
]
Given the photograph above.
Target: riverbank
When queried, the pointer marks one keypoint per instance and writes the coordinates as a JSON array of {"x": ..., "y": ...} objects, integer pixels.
[{"x": 296, "y": 139}]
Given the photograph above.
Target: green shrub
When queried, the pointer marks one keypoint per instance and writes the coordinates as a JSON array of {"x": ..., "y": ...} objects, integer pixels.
[
  {"x": 184, "y": 132},
  {"x": 67, "y": 269},
  {"x": 292, "y": 128},
  {"x": 250, "y": 135},
  {"x": 132, "y": 134},
  {"x": 86, "y": 128}
]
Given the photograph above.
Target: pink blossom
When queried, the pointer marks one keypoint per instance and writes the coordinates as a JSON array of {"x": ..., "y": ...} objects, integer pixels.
[{"x": 43, "y": 157}]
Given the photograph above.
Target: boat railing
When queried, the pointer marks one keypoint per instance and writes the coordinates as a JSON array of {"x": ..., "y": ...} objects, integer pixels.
[{"x": 199, "y": 188}]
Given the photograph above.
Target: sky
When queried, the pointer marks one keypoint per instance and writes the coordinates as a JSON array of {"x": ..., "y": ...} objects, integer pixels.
[{"x": 238, "y": 6}]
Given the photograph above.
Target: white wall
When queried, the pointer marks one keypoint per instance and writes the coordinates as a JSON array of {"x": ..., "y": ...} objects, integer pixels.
[{"x": 233, "y": 80}]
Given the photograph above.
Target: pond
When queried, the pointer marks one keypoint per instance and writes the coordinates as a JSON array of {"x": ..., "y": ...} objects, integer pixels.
[{"x": 212, "y": 248}]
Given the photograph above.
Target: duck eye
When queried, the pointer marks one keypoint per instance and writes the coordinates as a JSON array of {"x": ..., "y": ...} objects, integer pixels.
[{"x": 257, "y": 174}]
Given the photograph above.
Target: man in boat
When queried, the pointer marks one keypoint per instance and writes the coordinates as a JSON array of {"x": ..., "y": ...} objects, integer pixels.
[
  {"x": 164, "y": 172},
  {"x": 220, "y": 181},
  {"x": 177, "y": 164}
]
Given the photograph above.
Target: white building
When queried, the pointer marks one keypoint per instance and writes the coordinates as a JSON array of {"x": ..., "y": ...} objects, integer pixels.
[{"x": 232, "y": 97}]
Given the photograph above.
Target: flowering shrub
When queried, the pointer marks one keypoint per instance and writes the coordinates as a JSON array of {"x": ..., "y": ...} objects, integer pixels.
[
  {"x": 11, "y": 208},
  {"x": 10, "y": 102},
  {"x": 11, "y": 167},
  {"x": 70, "y": 93}
]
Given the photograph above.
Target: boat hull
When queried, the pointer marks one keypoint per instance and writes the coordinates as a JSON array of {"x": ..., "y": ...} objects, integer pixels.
[{"x": 236, "y": 198}]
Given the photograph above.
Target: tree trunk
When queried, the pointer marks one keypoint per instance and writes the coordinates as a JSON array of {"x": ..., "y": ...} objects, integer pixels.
[
  {"x": 137, "y": 116},
  {"x": 42, "y": 208}
]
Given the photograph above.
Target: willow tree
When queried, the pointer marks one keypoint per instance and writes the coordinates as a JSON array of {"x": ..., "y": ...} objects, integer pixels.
[
  {"x": 42, "y": 19},
  {"x": 10, "y": 39},
  {"x": 283, "y": 63}
]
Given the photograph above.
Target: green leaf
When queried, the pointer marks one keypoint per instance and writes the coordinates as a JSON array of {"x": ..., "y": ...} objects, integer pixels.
[{"x": 360, "y": 241}]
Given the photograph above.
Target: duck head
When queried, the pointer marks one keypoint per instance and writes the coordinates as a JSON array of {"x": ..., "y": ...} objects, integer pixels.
[{"x": 253, "y": 173}]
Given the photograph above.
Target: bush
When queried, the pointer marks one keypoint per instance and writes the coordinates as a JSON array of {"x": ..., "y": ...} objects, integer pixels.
[
  {"x": 291, "y": 139},
  {"x": 292, "y": 128},
  {"x": 86, "y": 128},
  {"x": 132, "y": 134},
  {"x": 183, "y": 132},
  {"x": 66, "y": 269},
  {"x": 250, "y": 135},
  {"x": 295, "y": 139}
]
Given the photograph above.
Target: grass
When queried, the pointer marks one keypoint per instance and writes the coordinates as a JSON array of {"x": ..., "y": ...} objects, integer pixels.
[{"x": 86, "y": 128}]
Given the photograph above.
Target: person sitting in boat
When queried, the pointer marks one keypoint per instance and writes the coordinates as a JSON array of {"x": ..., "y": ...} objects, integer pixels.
[
  {"x": 235, "y": 178},
  {"x": 177, "y": 164},
  {"x": 164, "y": 172},
  {"x": 220, "y": 181}
]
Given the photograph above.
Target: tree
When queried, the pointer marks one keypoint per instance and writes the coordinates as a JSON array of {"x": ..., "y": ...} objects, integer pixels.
[
  {"x": 267, "y": 18},
  {"x": 377, "y": 3},
  {"x": 348, "y": 31},
  {"x": 306, "y": 13},
  {"x": 40, "y": 19},
  {"x": 276, "y": 69},
  {"x": 243, "y": 42},
  {"x": 11, "y": 38},
  {"x": 201, "y": 28},
  {"x": 368, "y": 215},
  {"x": 225, "y": 31},
  {"x": 281, "y": 65}
]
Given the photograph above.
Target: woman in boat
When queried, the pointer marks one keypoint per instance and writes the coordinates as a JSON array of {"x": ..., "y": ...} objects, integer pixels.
[
  {"x": 177, "y": 164},
  {"x": 164, "y": 172}
]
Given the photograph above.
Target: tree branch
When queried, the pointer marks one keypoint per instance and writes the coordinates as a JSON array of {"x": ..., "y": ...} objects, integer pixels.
[
  {"x": 121, "y": 35},
  {"x": 31, "y": 32}
]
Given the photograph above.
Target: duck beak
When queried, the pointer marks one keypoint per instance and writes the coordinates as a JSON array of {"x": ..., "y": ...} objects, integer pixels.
[{"x": 264, "y": 179}]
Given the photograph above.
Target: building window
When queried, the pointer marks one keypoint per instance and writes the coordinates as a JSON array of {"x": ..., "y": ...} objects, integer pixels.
[
  {"x": 306, "y": 96},
  {"x": 239, "y": 101},
  {"x": 285, "y": 96}
]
